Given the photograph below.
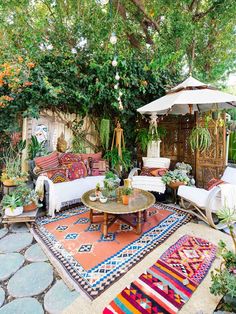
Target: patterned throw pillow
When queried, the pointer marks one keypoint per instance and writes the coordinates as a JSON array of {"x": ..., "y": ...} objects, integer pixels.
[
  {"x": 76, "y": 170},
  {"x": 153, "y": 172},
  {"x": 159, "y": 172},
  {"x": 214, "y": 182},
  {"x": 57, "y": 175},
  {"x": 100, "y": 167},
  {"x": 68, "y": 158},
  {"x": 95, "y": 156},
  {"x": 47, "y": 162}
]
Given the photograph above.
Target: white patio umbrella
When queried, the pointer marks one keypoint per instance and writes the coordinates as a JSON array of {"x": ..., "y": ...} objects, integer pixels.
[{"x": 189, "y": 96}]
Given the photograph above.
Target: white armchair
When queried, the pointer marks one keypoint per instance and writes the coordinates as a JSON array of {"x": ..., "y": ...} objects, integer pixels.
[
  {"x": 203, "y": 203},
  {"x": 147, "y": 183}
]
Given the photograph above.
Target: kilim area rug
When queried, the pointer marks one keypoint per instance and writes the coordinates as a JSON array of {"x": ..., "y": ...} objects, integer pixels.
[
  {"x": 168, "y": 284},
  {"x": 90, "y": 262}
]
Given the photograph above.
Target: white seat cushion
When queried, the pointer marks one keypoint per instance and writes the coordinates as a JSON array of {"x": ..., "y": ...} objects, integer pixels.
[
  {"x": 229, "y": 175},
  {"x": 194, "y": 195},
  {"x": 148, "y": 183},
  {"x": 156, "y": 162}
]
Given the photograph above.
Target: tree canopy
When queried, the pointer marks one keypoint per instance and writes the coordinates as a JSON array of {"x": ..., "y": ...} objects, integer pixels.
[{"x": 58, "y": 54}]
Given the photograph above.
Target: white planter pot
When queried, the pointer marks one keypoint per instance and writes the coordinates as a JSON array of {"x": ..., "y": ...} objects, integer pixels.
[
  {"x": 153, "y": 150},
  {"x": 16, "y": 212}
]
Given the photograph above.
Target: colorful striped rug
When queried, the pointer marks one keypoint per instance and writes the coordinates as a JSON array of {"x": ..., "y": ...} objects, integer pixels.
[
  {"x": 168, "y": 284},
  {"x": 90, "y": 262}
]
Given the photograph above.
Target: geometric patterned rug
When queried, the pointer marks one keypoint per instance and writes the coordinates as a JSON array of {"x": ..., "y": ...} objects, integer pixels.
[
  {"x": 168, "y": 284},
  {"x": 92, "y": 263}
]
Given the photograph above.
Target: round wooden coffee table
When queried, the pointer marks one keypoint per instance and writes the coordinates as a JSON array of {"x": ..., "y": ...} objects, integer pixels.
[{"x": 139, "y": 201}]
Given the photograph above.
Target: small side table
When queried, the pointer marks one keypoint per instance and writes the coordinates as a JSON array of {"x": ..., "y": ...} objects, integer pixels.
[
  {"x": 174, "y": 186},
  {"x": 8, "y": 188},
  {"x": 27, "y": 217}
]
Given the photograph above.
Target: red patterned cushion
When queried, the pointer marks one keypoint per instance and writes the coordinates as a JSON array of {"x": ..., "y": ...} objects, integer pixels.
[
  {"x": 68, "y": 158},
  {"x": 47, "y": 162},
  {"x": 76, "y": 170},
  {"x": 214, "y": 182},
  {"x": 159, "y": 172},
  {"x": 99, "y": 168},
  {"x": 57, "y": 175},
  {"x": 153, "y": 172}
]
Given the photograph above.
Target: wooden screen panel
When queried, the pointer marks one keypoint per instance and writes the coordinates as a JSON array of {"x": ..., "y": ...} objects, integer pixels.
[
  {"x": 211, "y": 163},
  {"x": 176, "y": 143}
]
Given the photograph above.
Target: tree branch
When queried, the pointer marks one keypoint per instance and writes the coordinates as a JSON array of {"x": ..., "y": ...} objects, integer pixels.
[{"x": 140, "y": 6}]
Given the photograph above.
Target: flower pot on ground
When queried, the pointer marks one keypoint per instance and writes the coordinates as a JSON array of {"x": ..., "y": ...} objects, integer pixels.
[{"x": 126, "y": 192}]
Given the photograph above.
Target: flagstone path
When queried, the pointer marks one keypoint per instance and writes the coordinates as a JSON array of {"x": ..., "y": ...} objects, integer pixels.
[{"x": 29, "y": 283}]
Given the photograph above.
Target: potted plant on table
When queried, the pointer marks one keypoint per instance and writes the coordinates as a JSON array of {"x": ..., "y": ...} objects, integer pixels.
[
  {"x": 30, "y": 197},
  {"x": 175, "y": 178},
  {"x": 224, "y": 277},
  {"x": 126, "y": 192},
  {"x": 111, "y": 183},
  {"x": 12, "y": 204}
]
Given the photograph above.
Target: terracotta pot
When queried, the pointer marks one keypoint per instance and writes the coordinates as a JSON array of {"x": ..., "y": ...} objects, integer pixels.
[
  {"x": 9, "y": 182},
  {"x": 175, "y": 185},
  {"x": 125, "y": 199},
  {"x": 30, "y": 207}
]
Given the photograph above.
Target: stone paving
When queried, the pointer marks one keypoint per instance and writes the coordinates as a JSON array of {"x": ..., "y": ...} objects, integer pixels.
[{"x": 29, "y": 283}]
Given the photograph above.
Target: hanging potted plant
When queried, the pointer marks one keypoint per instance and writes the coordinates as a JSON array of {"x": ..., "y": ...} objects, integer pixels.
[
  {"x": 146, "y": 136},
  {"x": 105, "y": 133},
  {"x": 200, "y": 139},
  {"x": 12, "y": 204},
  {"x": 126, "y": 192}
]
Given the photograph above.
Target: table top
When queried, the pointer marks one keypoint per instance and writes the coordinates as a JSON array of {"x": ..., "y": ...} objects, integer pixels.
[{"x": 139, "y": 201}]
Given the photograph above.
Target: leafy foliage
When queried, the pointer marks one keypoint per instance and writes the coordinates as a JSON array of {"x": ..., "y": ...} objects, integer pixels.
[
  {"x": 223, "y": 278},
  {"x": 200, "y": 138},
  {"x": 175, "y": 176}
]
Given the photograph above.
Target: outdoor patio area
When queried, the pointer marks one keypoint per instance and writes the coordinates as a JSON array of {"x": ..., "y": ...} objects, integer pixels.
[{"x": 117, "y": 157}]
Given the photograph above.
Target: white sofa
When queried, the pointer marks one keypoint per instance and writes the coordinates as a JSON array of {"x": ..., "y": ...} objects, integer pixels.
[
  {"x": 202, "y": 203},
  {"x": 147, "y": 183},
  {"x": 59, "y": 195}
]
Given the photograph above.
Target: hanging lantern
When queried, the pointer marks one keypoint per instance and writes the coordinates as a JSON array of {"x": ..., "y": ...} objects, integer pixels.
[
  {"x": 117, "y": 77},
  {"x": 113, "y": 38},
  {"x": 104, "y": 2},
  {"x": 114, "y": 63},
  {"x": 120, "y": 106}
]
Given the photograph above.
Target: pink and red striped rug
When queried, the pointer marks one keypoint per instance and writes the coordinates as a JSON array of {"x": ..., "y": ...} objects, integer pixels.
[{"x": 168, "y": 284}]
